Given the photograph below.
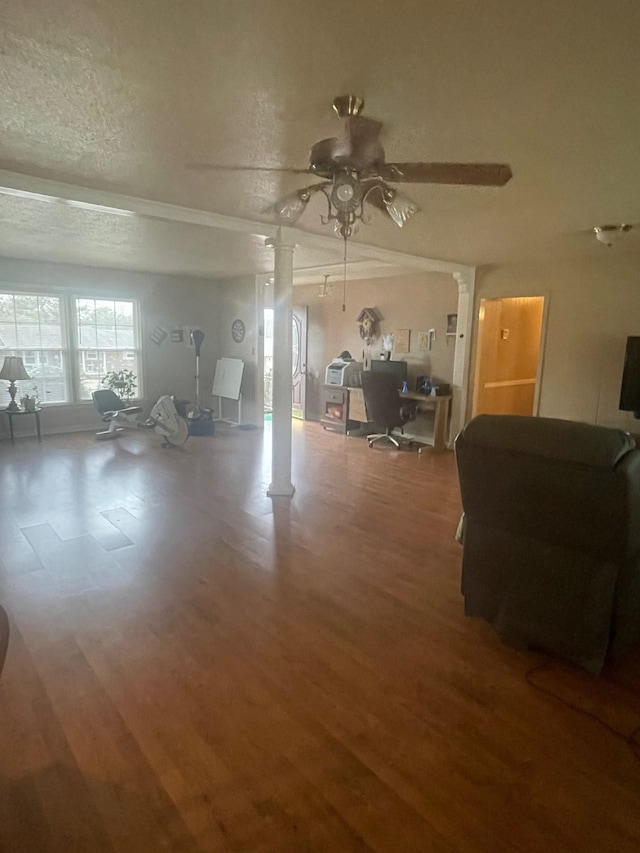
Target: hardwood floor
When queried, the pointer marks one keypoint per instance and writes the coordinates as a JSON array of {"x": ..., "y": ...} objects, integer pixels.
[{"x": 195, "y": 667}]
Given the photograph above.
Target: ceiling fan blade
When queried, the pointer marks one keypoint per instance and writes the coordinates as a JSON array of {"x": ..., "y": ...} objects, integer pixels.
[
  {"x": 474, "y": 174},
  {"x": 213, "y": 167}
]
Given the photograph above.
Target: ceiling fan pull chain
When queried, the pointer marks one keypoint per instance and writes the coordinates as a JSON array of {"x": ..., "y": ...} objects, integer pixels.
[{"x": 344, "y": 279}]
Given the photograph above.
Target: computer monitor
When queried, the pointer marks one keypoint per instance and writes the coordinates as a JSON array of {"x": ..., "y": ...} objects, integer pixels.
[{"x": 399, "y": 368}]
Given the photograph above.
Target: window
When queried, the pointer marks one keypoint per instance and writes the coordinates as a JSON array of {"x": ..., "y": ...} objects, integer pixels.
[
  {"x": 67, "y": 344},
  {"x": 106, "y": 334},
  {"x": 33, "y": 327}
]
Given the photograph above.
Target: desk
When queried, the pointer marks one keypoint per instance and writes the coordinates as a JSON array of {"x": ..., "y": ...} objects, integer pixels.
[
  {"x": 12, "y": 415},
  {"x": 441, "y": 405},
  {"x": 357, "y": 412}
]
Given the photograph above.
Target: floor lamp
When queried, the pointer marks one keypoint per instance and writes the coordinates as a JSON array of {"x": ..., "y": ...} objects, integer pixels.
[{"x": 13, "y": 369}]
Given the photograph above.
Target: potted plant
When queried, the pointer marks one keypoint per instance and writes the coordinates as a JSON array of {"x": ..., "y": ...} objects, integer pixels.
[
  {"x": 29, "y": 402},
  {"x": 123, "y": 382}
]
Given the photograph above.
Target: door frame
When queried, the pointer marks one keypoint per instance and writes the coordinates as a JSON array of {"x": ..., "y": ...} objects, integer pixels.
[
  {"x": 473, "y": 367},
  {"x": 262, "y": 281},
  {"x": 303, "y": 312}
]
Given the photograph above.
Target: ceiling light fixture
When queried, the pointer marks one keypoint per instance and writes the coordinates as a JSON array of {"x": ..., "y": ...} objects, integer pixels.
[
  {"x": 346, "y": 196},
  {"x": 324, "y": 289},
  {"x": 610, "y": 234},
  {"x": 355, "y": 172}
]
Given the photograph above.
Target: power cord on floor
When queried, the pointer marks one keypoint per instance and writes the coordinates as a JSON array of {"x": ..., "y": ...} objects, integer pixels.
[{"x": 630, "y": 739}]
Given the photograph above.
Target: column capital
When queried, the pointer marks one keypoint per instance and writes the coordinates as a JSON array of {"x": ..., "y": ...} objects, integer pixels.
[
  {"x": 465, "y": 279},
  {"x": 280, "y": 241}
]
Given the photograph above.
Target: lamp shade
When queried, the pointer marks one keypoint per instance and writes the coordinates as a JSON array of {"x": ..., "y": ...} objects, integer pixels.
[{"x": 13, "y": 368}]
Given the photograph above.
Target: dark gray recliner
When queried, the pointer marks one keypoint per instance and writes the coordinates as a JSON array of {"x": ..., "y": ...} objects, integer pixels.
[
  {"x": 4, "y": 637},
  {"x": 551, "y": 549}
]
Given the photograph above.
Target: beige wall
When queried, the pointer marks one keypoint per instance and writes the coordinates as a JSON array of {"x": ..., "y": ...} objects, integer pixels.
[
  {"x": 164, "y": 300},
  {"x": 417, "y": 302},
  {"x": 593, "y": 305},
  {"x": 237, "y": 301}
]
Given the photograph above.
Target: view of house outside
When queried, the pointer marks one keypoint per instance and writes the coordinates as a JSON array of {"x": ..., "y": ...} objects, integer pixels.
[{"x": 35, "y": 328}]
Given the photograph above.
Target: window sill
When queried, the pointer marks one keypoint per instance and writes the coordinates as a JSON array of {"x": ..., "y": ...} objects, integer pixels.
[{"x": 135, "y": 401}]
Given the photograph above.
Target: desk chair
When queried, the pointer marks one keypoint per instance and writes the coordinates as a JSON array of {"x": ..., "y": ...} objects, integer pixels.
[
  {"x": 385, "y": 408},
  {"x": 4, "y": 637}
]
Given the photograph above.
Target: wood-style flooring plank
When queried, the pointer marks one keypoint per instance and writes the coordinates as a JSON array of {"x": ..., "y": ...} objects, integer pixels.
[{"x": 195, "y": 667}]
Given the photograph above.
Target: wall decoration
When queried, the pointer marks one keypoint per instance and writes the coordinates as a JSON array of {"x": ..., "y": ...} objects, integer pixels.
[
  {"x": 177, "y": 336},
  {"x": 401, "y": 340},
  {"x": 158, "y": 335},
  {"x": 368, "y": 319},
  {"x": 237, "y": 331},
  {"x": 387, "y": 346},
  {"x": 452, "y": 324},
  {"x": 423, "y": 340}
]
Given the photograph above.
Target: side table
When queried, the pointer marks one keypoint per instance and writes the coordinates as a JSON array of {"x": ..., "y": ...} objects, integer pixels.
[{"x": 12, "y": 415}]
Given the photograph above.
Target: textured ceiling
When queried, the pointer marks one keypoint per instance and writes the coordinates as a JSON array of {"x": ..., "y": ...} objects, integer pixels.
[
  {"x": 139, "y": 98},
  {"x": 44, "y": 231}
]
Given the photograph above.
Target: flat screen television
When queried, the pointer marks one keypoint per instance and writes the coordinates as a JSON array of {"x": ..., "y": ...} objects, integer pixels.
[
  {"x": 630, "y": 389},
  {"x": 399, "y": 368}
]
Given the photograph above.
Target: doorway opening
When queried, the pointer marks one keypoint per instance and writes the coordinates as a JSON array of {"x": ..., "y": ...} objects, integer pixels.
[
  {"x": 509, "y": 356},
  {"x": 298, "y": 364}
]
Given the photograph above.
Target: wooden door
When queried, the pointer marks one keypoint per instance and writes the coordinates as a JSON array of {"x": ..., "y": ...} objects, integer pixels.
[
  {"x": 508, "y": 354},
  {"x": 299, "y": 361}
]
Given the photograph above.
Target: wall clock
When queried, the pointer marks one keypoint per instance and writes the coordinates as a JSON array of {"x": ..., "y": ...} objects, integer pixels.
[{"x": 237, "y": 331}]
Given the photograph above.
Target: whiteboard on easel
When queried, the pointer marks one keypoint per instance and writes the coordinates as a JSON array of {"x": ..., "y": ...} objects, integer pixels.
[{"x": 228, "y": 378}]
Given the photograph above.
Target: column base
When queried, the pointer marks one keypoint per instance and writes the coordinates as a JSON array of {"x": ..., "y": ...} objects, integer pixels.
[{"x": 285, "y": 490}]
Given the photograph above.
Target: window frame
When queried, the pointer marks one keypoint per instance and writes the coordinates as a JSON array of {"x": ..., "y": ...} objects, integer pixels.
[
  {"x": 76, "y": 349},
  {"x": 69, "y": 335}
]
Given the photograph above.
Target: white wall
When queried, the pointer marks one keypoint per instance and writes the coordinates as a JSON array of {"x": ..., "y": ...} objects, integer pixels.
[
  {"x": 594, "y": 304},
  {"x": 164, "y": 300}
]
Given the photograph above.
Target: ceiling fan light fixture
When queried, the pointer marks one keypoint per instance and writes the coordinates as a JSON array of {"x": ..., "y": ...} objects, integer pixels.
[
  {"x": 399, "y": 206},
  {"x": 346, "y": 192},
  {"x": 610, "y": 234},
  {"x": 345, "y": 228},
  {"x": 291, "y": 207}
]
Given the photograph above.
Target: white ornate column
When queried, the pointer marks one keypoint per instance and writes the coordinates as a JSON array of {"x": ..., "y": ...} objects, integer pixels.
[
  {"x": 281, "y": 485},
  {"x": 462, "y": 357}
]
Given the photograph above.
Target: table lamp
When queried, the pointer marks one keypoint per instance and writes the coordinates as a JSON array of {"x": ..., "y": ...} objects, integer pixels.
[{"x": 13, "y": 369}]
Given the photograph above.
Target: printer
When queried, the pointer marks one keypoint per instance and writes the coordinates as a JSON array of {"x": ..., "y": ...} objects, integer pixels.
[{"x": 344, "y": 370}]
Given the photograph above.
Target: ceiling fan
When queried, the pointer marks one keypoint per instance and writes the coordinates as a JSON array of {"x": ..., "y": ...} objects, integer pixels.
[{"x": 356, "y": 173}]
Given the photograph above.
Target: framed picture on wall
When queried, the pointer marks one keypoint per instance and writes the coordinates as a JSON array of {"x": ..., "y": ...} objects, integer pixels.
[
  {"x": 401, "y": 340},
  {"x": 452, "y": 324}
]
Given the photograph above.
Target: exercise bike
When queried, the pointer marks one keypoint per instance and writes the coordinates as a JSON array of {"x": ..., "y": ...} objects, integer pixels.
[{"x": 163, "y": 418}]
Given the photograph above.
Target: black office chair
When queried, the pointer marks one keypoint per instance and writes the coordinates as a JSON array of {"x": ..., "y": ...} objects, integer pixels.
[{"x": 385, "y": 407}]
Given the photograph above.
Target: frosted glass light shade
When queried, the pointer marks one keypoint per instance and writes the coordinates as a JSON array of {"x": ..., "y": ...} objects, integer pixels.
[
  {"x": 399, "y": 206},
  {"x": 291, "y": 207}
]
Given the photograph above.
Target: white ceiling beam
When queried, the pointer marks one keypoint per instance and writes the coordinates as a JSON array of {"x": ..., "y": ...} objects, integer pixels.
[
  {"x": 116, "y": 204},
  {"x": 104, "y": 201}
]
